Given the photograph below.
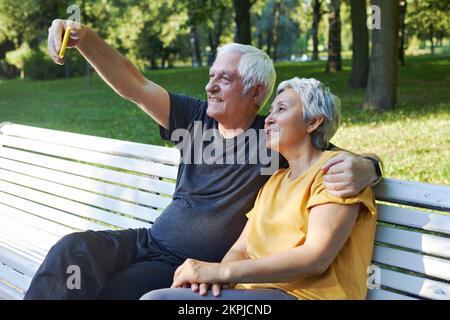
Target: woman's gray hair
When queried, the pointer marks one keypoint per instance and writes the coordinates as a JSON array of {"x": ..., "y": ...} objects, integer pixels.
[
  {"x": 255, "y": 67},
  {"x": 317, "y": 101}
]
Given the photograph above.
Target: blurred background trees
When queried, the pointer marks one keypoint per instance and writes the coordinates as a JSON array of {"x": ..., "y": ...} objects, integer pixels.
[{"x": 168, "y": 33}]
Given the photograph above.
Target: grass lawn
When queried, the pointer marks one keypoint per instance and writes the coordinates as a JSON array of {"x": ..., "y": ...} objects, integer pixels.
[{"x": 413, "y": 140}]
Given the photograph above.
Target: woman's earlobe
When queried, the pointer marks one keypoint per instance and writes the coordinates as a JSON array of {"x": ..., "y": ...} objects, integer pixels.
[{"x": 314, "y": 124}]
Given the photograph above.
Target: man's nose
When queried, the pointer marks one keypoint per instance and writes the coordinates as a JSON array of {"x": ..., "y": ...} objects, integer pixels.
[{"x": 211, "y": 86}]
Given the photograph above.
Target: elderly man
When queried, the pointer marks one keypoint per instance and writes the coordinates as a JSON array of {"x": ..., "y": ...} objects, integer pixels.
[{"x": 208, "y": 210}]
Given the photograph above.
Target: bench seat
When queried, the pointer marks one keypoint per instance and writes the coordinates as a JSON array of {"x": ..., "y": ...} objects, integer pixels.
[{"x": 53, "y": 183}]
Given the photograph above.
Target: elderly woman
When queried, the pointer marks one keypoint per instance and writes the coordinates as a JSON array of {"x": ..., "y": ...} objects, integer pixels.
[{"x": 300, "y": 242}]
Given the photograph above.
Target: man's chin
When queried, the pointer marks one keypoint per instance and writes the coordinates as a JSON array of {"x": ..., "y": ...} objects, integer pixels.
[{"x": 213, "y": 113}]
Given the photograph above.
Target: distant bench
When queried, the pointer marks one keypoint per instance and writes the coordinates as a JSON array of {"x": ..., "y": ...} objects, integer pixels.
[{"x": 53, "y": 183}]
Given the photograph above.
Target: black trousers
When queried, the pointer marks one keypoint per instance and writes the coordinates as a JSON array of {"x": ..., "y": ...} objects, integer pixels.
[{"x": 123, "y": 264}]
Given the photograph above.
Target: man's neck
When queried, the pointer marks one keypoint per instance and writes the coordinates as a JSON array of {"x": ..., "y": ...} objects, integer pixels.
[{"x": 232, "y": 130}]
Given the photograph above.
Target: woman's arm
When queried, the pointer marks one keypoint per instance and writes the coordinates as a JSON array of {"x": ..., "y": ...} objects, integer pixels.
[
  {"x": 239, "y": 249},
  {"x": 329, "y": 227}
]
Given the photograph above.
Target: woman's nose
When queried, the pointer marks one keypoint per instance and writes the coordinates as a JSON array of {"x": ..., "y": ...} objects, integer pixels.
[{"x": 269, "y": 119}]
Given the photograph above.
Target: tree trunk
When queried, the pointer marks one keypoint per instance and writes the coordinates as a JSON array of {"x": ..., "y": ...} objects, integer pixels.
[
  {"x": 153, "y": 64},
  {"x": 276, "y": 26},
  {"x": 66, "y": 68},
  {"x": 360, "y": 45},
  {"x": 431, "y": 38},
  {"x": 382, "y": 84},
  {"x": 334, "y": 37},
  {"x": 260, "y": 34},
  {"x": 214, "y": 36},
  {"x": 315, "y": 28},
  {"x": 195, "y": 46},
  {"x": 269, "y": 41},
  {"x": 401, "y": 48},
  {"x": 88, "y": 76},
  {"x": 242, "y": 20}
]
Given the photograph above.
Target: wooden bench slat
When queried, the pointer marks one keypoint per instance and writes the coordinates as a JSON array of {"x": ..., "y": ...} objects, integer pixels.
[
  {"x": 425, "y": 243},
  {"x": 48, "y": 213},
  {"x": 137, "y": 165},
  {"x": 431, "y": 266},
  {"x": 161, "y": 154},
  {"x": 39, "y": 223},
  {"x": 422, "y": 195},
  {"x": 380, "y": 294},
  {"x": 8, "y": 293},
  {"x": 33, "y": 239},
  {"x": 18, "y": 260},
  {"x": 35, "y": 236},
  {"x": 421, "y": 287},
  {"x": 70, "y": 206},
  {"x": 81, "y": 169},
  {"x": 414, "y": 218},
  {"x": 25, "y": 248},
  {"x": 15, "y": 278},
  {"x": 78, "y": 195},
  {"x": 140, "y": 197}
]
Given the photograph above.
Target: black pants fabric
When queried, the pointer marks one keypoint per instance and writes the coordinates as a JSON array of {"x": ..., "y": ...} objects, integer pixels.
[{"x": 109, "y": 264}]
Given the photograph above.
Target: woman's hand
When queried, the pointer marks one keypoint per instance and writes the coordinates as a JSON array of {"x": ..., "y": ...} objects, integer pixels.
[
  {"x": 200, "y": 275},
  {"x": 216, "y": 288}
]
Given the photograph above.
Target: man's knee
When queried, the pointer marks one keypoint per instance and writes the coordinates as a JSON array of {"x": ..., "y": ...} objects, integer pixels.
[{"x": 72, "y": 241}]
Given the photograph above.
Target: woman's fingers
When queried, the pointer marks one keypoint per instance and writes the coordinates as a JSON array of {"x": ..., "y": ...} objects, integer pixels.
[
  {"x": 203, "y": 290},
  {"x": 216, "y": 289},
  {"x": 194, "y": 287}
]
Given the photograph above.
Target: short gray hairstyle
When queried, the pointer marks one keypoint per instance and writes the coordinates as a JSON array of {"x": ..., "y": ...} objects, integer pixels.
[
  {"x": 255, "y": 67},
  {"x": 317, "y": 101}
]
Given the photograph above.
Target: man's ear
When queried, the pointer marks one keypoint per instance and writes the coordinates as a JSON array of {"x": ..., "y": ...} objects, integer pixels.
[
  {"x": 258, "y": 93},
  {"x": 314, "y": 123}
]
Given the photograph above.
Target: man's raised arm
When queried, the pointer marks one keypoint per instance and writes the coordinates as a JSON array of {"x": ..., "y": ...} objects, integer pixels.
[{"x": 116, "y": 70}]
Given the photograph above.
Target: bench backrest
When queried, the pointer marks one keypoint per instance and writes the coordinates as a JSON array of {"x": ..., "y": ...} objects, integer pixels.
[{"x": 53, "y": 183}]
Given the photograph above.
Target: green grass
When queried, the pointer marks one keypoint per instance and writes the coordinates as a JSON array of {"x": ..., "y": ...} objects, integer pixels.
[{"x": 413, "y": 140}]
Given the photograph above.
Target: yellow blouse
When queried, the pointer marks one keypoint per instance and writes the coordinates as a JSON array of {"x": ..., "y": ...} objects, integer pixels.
[{"x": 279, "y": 221}]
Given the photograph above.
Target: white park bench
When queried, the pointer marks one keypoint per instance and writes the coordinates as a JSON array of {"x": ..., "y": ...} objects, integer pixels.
[{"x": 53, "y": 183}]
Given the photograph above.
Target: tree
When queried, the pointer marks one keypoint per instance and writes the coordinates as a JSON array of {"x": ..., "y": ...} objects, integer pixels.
[
  {"x": 360, "y": 45},
  {"x": 334, "y": 63},
  {"x": 276, "y": 28},
  {"x": 218, "y": 18},
  {"x": 193, "y": 9},
  {"x": 242, "y": 19},
  {"x": 428, "y": 19},
  {"x": 317, "y": 15},
  {"x": 401, "y": 33},
  {"x": 382, "y": 83}
]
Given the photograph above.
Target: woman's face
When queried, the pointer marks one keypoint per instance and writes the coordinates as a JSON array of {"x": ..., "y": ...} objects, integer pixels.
[{"x": 285, "y": 126}]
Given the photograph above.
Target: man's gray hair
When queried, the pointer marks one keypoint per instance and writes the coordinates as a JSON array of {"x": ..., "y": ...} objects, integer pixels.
[
  {"x": 255, "y": 67},
  {"x": 317, "y": 101}
]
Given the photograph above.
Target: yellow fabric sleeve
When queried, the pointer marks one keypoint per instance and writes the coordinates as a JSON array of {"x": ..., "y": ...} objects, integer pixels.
[{"x": 320, "y": 195}]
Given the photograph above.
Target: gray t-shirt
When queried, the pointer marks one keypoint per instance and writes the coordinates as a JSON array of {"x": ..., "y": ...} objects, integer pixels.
[{"x": 207, "y": 213}]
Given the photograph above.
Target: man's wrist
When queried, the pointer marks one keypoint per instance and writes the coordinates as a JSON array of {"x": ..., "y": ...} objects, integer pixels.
[
  {"x": 377, "y": 169},
  {"x": 83, "y": 33}
]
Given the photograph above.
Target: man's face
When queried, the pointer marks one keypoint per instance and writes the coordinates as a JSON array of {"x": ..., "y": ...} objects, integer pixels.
[{"x": 226, "y": 103}]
